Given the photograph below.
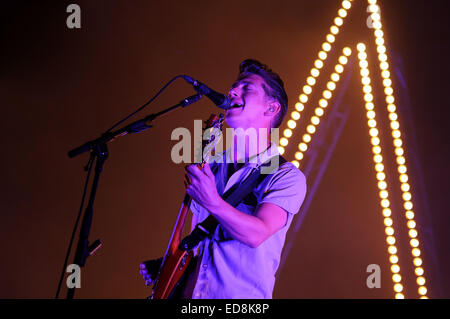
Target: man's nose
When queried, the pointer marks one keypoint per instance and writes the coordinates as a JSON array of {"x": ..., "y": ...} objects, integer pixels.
[{"x": 233, "y": 93}]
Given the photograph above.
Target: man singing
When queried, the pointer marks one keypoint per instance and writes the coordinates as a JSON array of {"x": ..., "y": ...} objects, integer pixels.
[{"x": 241, "y": 257}]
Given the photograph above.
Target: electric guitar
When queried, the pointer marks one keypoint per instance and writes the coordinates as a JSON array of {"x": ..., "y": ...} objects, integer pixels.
[{"x": 176, "y": 260}]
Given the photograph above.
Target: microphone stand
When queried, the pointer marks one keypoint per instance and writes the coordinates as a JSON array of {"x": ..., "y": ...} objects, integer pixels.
[{"x": 99, "y": 151}]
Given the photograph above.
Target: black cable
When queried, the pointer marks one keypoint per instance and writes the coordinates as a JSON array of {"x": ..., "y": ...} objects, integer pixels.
[{"x": 150, "y": 101}]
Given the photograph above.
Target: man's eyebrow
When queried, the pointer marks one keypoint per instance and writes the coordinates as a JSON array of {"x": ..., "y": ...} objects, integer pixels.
[{"x": 235, "y": 84}]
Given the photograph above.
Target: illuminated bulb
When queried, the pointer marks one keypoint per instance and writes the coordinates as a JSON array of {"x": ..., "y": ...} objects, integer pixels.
[
  {"x": 392, "y": 250},
  {"x": 307, "y": 89},
  {"x": 381, "y": 176},
  {"x": 377, "y": 24},
  {"x": 299, "y": 107},
  {"x": 388, "y": 222},
  {"x": 375, "y": 141},
  {"x": 370, "y": 114},
  {"x": 299, "y": 155},
  {"x": 391, "y": 107},
  {"x": 367, "y": 88},
  {"x": 346, "y": 4},
  {"x": 291, "y": 124},
  {"x": 295, "y": 115},
  {"x": 335, "y": 77},
  {"x": 330, "y": 38},
  {"x": 326, "y": 46},
  {"x": 396, "y": 278},
  {"x": 373, "y": 132},
  {"x": 390, "y": 240},
  {"x": 363, "y": 64},
  {"x": 393, "y": 259},
  {"x": 287, "y": 133},
  {"x": 379, "y": 41},
  {"x": 395, "y": 125},
  {"x": 381, "y": 49},
  {"x": 393, "y": 116},
  {"x": 303, "y": 98},
  {"x": 412, "y": 233},
  {"x": 416, "y": 252},
  {"x": 318, "y": 64},
  {"x": 399, "y": 152},
  {"x": 409, "y": 214},
  {"x": 398, "y": 287},
  {"x": 385, "y": 203},
  {"x": 322, "y": 55},
  {"x": 284, "y": 141},
  {"x": 397, "y": 142},
  {"x": 414, "y": 243},
  {"x": 382, "y": 185},
  {"x": 302, "y": 147},
  {"x": 342, "y": 13},
  {"x": 314, "y": 72},
  {"x": 318, "y": 111},
  {"x": 406, "y": 196},
  {"x": 343, "y": 60},
  {"x": 378, "y": 159},
  {"x": 327, "y": 94},
  {"x": 411, "y": 224},
  {"x": 306, "y": 138},
  {"x": 384, "y": 66},
  {"x": 311, "y": 129},
  {"x": 334, "y": 30},
  {"x": 311, "y": 81},
  {"x": 390, "y": 99},
  {"x": 376, "y": 150},
  {"x": 388, "y": 91},
  {"x": 387, "y": 212},
  {"x": 405, "y": 187},
  {"x": 297, "y": 164},
  {"x": 389, "y": 230},
  {"x": 408, "y": 205},
  {"x": 281, "y": 150},
  {"x": 378, "y": 33},
  {"x": 315, "y": 120},
  {"x": 382, "y": 57},
  {"x": 365, "y": 81},
  {"x": 361, "y": 47},
  {"x": 402, "y": 169},
  {"x": 364, "y": 72},
  {"x": 331, "y": 86},
  {"x": 419, "y": 271},
  {"x": 395, "y": 268},
  {"x": 347, "y": 51},
  {"x": 362, "y": 55},
  {"x": 339, "y": 68},
  {"x": 417, "y": 261},
  {"x": 399, "y": 295},
  {"x": 338, "y": 21},
  {"x": 372, "y": 123},
  {"x": 422, "y": 290},
  {"x": 370, "y": 106},
  {"x": 396, "y": 134},
  {"x": 323, "y": 103},
  {"x": 387, "y": 82}
]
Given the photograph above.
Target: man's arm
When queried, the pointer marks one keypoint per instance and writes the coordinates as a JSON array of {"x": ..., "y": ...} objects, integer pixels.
[{"x": 252, "y": 230}]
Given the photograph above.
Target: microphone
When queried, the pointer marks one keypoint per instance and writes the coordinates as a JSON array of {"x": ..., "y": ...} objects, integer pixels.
[{"x": 219, "y": 99}]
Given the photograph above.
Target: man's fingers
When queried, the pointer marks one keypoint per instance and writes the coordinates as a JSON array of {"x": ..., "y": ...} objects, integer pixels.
[{"x": 207, "y": 170}]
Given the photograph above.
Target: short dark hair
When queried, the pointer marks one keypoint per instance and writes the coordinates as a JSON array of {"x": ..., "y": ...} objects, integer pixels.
[{"x": 274, "y": 88}]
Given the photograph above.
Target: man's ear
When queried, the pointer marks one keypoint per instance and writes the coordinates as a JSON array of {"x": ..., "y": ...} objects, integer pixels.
[{"x": 272, "y": 108}]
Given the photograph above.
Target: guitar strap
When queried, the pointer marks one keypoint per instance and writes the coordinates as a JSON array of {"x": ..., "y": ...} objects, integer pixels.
[{"x": 233, "y": 196}]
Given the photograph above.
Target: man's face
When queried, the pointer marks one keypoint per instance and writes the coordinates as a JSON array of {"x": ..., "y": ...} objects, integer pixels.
[{"x": 251, "y": 102}]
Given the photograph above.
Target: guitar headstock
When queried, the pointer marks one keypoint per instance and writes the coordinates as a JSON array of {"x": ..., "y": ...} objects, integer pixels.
[{"x": 212, "y": 135}]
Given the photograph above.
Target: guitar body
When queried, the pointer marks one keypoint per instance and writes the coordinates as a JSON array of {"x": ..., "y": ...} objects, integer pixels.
[{"x": 176, "y": 261}]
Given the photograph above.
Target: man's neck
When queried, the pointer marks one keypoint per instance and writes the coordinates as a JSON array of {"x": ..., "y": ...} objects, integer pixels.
[{"x": 245, "y": 147}]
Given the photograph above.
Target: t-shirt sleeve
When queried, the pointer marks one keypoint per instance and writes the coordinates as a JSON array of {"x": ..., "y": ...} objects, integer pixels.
[{"x": 286, "y": 189}]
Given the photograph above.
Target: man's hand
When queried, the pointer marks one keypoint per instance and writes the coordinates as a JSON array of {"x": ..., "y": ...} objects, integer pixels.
[
  {"x": 201, "y": 186},
  {"x": 149, "y": 270}
]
